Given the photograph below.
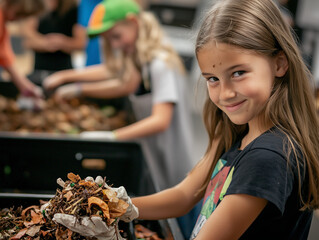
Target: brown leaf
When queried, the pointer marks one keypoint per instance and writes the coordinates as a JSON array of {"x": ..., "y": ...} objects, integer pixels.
[
  {"x": 99, "y": 202},
  {"x": 74, "y": 178},
  {"x": 32, "y": 231},
  {"x": 20, "y": 234},
  {"x": 110, "y": 195},
  {"x": 36, "y": 218},
  {"x": 145, "y": 231},
  {"x": 87, "y": 184},
  {"x": 118, "y": 209},
  {"x": 68, "y": 195},
  {"x": 25, "y": 211}
]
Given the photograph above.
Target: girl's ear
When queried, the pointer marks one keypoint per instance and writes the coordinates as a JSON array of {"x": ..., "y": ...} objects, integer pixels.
[{"x": 281, "y": 64}]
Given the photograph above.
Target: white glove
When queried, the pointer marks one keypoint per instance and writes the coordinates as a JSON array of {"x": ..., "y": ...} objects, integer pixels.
[
  {"x": 110, "y": 135},
  {"x": 88, "y": 226},
  {"x": 94, "y": 226},
  {"x": 132, "y": 211},
  {"x": 68, "y": 91},
  {"x": 30, "y": 103}
]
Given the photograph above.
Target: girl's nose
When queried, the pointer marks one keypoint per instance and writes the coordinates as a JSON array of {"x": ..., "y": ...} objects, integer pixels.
[
  {"x": 226, "y": 91},
  {"x": 115, "y": 44}
]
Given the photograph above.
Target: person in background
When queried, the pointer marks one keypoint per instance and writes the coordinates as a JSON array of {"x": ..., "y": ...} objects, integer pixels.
[
  {"x": 14, "y": 10},
  {"x": 54, "y": 37},
  {"x": 92, "y": 50},
  {"x": 259, "y": 176},
  {"x": 141, "y": 64}
]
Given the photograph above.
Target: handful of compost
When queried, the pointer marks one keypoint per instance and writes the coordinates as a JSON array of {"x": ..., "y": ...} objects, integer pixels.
[{"x": 90, "y": 207}]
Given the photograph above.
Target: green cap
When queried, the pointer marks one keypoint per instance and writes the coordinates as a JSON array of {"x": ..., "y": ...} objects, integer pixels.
[{"x": 109, "y": 12}]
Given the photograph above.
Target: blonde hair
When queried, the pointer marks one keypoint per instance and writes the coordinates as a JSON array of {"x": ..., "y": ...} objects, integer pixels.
[
  {"x": 149, "y": 44},
  {"x": 27, "y": 7},
  {"x": 258, "y": 25}
]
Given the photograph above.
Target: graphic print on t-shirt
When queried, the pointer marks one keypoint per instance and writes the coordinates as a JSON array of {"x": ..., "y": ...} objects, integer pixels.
[{"x": 215, "y": 192}]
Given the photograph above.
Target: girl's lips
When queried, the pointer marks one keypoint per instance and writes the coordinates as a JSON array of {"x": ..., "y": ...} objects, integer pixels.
[{"x": 235, "y": 106}]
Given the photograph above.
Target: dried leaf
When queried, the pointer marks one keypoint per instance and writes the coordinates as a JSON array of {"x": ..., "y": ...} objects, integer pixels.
[
  {"x": 74, "y": 178},
  {"x": 20, "y": 234},
  {"x": 87, "y": 184},
  {"x": 32, "y": 231},
  {"x": 110, "y": 195},
  {"x": 25, "y": 211},
  {"x": 118, "y": 209},
  {"x": 99, "y": 202},
  {"x": 68, "y": 195},
  {"x": 145, "y": 231}
]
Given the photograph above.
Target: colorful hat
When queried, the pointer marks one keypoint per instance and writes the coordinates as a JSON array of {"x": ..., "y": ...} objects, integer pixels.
[{"x": 109, "y": 12}]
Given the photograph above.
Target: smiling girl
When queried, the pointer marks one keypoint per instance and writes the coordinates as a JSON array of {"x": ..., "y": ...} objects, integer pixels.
[{"x": 259, "y": 178}]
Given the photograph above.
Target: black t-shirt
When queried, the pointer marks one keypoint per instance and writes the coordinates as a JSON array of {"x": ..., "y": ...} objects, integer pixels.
[
  {"x": 55, "y": 23},
  {"x": 260, "y": 170}
]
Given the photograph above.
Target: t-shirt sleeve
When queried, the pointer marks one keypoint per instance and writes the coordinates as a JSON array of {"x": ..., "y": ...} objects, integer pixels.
[
  {"x": 6, "y": 52},
  {"x": 164, "y": 85},
  {"x": 265, "y": 174}
]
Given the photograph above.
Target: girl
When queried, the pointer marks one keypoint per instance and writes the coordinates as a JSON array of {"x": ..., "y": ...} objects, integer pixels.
[
  {"x": 53, "y": 37},
  {"x": 13, "y": 10},
  {"x": 141, "y": 64},
  {"x": 259, "y": 178}
]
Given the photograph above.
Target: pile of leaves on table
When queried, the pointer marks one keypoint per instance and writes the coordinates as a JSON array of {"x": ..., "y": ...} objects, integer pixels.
[
  {"x": 70, "y": 117},
  {"x": 78, "y": 197}
]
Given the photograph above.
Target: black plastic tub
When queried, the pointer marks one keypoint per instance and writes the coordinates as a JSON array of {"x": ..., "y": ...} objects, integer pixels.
[{"x": 30, "y": 165}]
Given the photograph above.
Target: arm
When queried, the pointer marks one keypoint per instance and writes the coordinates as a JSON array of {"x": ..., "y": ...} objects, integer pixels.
[
  {"x": 92, "y": 73},
  {"x": 176, "y": 201},
  {"x": 53, "y": 42},
  {"x": 159, "y": 121},
  {"x": 69, "y": 44},
  {"x": 109, "y": 88},
  {"x": 33, "y": 39},
  {"x": 232, "y": 217},
  {"x": 25, "y": 86}
]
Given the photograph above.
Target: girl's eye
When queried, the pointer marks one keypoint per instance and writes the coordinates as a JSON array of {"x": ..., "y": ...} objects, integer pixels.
[
  {"x": 238, "y": 73},
  {"x": 212, "y": 79}
]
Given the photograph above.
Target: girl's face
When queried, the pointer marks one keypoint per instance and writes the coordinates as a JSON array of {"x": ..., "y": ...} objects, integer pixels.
[
  {"x": 123, "y": 36},
  {"x": 239, "y": 81}
]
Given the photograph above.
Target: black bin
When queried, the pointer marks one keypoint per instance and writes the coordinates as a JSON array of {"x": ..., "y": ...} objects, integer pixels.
[{"x": 30, "y": 165}]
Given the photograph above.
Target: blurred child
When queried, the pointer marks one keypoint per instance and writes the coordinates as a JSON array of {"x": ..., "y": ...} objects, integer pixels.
[
  {"x": 13, "y": 10},
  {"x": 139, "y": 63},
  {"x": 54, "y": 37}
]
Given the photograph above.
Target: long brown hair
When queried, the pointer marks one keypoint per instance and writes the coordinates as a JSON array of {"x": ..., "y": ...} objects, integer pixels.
[{"x": 258, "y": 25}]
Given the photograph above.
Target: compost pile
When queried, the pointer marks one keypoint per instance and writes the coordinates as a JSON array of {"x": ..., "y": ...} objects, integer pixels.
[
  {"x": 31, "y": 224},
  {"x": 72, "y": 116},
  {"x": 78, "y": 198}
]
